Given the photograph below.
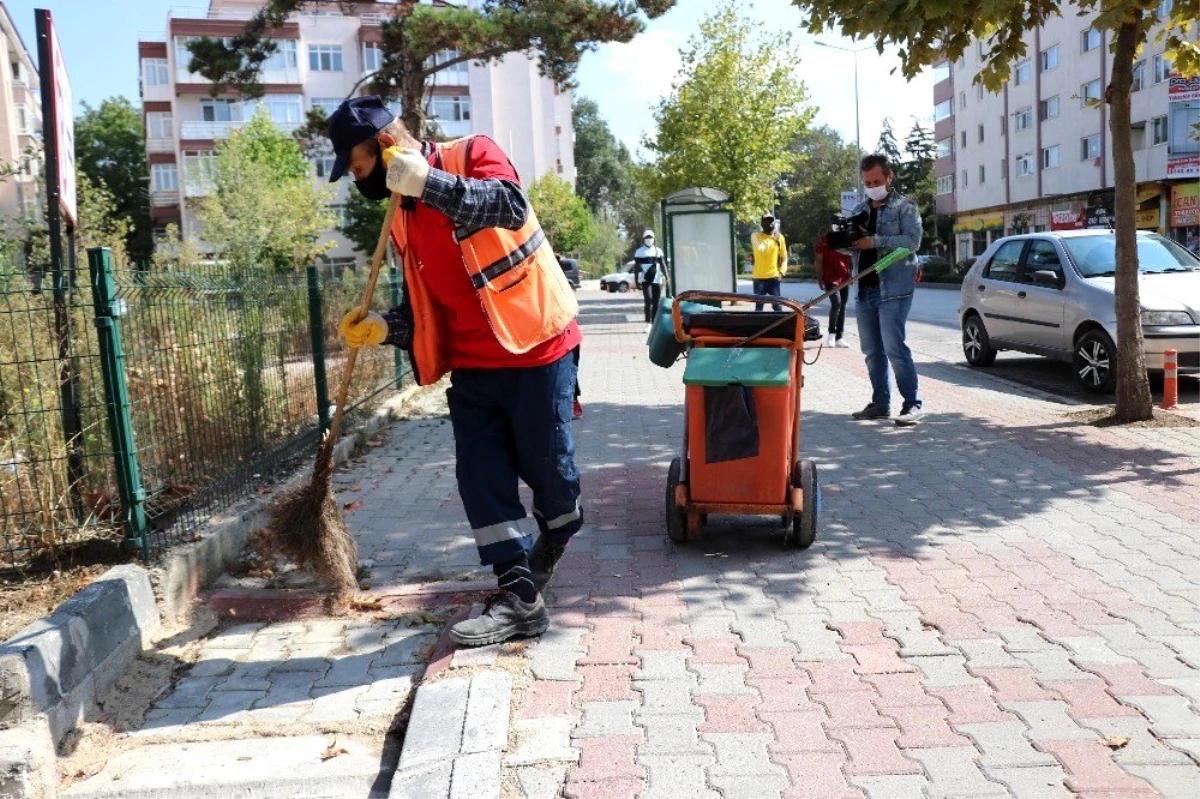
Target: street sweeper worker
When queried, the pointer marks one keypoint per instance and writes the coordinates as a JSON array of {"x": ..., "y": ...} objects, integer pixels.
[{"x": 486, "y": 301}]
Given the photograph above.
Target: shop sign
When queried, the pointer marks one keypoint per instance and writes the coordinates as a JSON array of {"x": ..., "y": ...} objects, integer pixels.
[
  {"x": 1185, "y": 205},
  {"x": 1066, "y": 220}
]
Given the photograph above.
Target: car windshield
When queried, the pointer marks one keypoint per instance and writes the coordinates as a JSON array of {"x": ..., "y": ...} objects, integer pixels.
[{"x": 1096, "y": 256}]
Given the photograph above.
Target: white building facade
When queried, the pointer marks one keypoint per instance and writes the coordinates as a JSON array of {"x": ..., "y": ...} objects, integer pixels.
[
  {"x": 20, "y": 125},
  {"x": 1037, "y": 155},
  {"x": 320, "y": 59}
]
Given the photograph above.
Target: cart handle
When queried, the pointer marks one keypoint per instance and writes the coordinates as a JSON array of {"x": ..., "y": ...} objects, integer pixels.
[{"x": 728, "y": 296}]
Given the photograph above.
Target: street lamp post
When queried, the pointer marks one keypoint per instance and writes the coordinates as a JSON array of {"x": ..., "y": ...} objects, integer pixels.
[{"x": 857, "y": 130}]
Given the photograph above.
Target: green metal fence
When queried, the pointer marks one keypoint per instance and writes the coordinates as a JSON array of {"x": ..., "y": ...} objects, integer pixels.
[{"x": 189, "y": 390}]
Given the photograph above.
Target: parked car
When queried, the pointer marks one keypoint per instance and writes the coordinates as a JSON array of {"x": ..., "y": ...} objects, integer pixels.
[
  {"x": 570, "y": 268},
  {"x": 931, "y": 266},
  {"x": 621, "y": 281},
  {"x": 1052, "y": 294}
]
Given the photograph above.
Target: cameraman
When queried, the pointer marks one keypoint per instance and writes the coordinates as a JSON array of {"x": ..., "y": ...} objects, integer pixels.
[{"x": 884, "y": 299}]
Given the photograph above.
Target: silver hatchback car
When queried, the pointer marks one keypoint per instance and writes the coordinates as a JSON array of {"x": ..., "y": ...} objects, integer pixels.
[{"x": 1052, "y": 294}]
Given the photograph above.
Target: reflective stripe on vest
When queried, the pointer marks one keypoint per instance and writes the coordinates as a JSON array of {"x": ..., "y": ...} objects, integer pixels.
[{"x": 508, "y": 262}]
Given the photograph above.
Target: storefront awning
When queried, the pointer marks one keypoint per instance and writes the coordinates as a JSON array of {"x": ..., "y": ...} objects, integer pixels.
[{"x": 970, "y": 224}]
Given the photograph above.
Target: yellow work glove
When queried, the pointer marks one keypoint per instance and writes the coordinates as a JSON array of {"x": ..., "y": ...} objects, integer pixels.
[
  {"x": 407, "y": 171},
  {"x": 357, "y": 331}
]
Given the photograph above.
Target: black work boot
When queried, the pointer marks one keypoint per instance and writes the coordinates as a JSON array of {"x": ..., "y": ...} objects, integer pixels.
[
  {"x": 542, "y": 560},
  {"x": 504, "y": 617}
]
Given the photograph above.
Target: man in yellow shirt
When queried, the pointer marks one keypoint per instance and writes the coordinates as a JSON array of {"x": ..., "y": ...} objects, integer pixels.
[{"x": 770, "y": 260}]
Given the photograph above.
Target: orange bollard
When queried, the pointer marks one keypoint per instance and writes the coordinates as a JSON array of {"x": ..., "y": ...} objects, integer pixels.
[{"x": 1170, "y": 379}]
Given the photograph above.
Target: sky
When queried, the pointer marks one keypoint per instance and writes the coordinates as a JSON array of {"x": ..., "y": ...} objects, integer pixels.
[{"x": 99, "y": 41}]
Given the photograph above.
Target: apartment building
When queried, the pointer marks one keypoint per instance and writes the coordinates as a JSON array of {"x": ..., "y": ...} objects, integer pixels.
[
  {"x": 1037, "y": 155},
  {"x": 20, "y": 124},
  {"x": 321, "y": 56}
]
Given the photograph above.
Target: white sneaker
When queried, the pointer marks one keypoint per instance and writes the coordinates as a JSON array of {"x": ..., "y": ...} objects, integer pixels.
[
  {"x": 648, "y": 326},
  {"x": 841, "y": 345},
  {"x": 829, "y": 340}
]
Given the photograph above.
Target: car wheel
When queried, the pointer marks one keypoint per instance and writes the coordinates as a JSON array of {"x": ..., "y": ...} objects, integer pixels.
[
  {"x": 1095, "y": 362},
  {"x": 977, "y": 347},
  {"x": 622, "y": 287}
]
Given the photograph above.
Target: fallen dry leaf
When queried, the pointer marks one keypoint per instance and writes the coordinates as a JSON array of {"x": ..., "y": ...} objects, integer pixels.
[
  {"x": 356, "y": 488},
  {"x": 1115, "y": 741},
  {"x": 333, "y": 751},
  {"x": 244, "y": 758},
  {"x": 366, "y": 604},
  {"x": 263, "y": 490},
  {"x": 350, "y": 507}
]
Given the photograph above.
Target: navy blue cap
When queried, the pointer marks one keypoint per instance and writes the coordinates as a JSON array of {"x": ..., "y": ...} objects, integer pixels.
[{"x": 352, "y": 123}]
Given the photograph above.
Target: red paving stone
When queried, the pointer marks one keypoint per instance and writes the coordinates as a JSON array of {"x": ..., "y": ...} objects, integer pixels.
[
  {"x": 547, "y": 698},
  {"x": 971, "y": 704},
  {"x": 874, "y": 751},
  {"x": 773, "y": 663},
  {"x": 800, "y": 731},
  {"x": 902, "y": 690},
  {"x": 878, "y": 659},
  {"x": 852, "y": 710},
  {"x": 665, "y": 637},
  {"x": 607, "y": 758},
  {"x": 609, "y": 646},
  {"x": 1014, "y": 685},
  {"x": 1128, "y": 679},
  {"x": 716, "y": 650},
  {"x": 783, "y": 694},
  {"x": 1090, "y": 769},
  {"x": 817, "y": 775},
  {"x": 729, "y": 714},
  {"x": 859, "y": 633},
  {"x": 606, "y": 683},
  {"x": 925, "y": 727},
  {"x": 1089, "y": 699},
  {"x": 835, "y": 677}
]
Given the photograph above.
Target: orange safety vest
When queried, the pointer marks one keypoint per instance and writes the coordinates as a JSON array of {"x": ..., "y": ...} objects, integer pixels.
[{"x": 520, "y": 285}]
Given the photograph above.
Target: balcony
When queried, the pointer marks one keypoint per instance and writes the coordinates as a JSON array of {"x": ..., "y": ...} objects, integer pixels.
[
  {"x": 197, "y": 187},
  {"x": 160, "y": 145},
  {"x": 162, "y": 199},
  {"x": 198, "y": 129}
]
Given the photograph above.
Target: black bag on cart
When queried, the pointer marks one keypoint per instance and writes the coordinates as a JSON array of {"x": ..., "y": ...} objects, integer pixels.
[{"x": 748, "y": 323}]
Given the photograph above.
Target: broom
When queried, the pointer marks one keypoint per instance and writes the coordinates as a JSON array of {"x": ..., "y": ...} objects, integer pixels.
[{"x": 306, "y": 523}]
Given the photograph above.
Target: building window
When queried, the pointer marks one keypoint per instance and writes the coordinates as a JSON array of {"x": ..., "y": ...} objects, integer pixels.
[
  {"x": 155, "y": 72},
  {"x": 1050, "y": 159},
  {"x": 455, "y": 75},
  {"x": 372, "y": 58},
  {"x": 326, "y": 104},
  {"x": 1089, "y": 93},
  {"x": 1050, "y": 58},
  {"x": 1021, "y": 74},
  {"x": 964, "y": 178},
  {"x": 199, "y": 171},
  {"x": 323, "y": 165},
  {"x": 283, "y": 58},
  {"x": 284, "y": 109},
  {"x": 24, "y": 121},
  {"x": 1089, "y": 147},
  {"x": 1048, "y": 108},
  {"x": 325, "y": 57},
  {"x": 982, "y": 174},
  {"x": 1003, "y": 126},
  {"x": 159, "y": 125},
  {"x": 164, "y": 177},
  {"x": 962, "y": 99},
  {"x": 1158, "y": 130},
  {"x": 945, "y": 184},
  {"x": 1023, "y": 119},
  {"x": 183, "y": 56},
  {"x": 945, "y": 147},
  {"x": 1090, "y": 39},
  {"x": 1139, "y": 76},
  {"x": 942, "y": 110},
  {"x": 979, "y": 92},
  {"x": 1003, "y": 169},
  {"x": 451, "y": 108},
  {"x": 981, "y": 133},
  {"x": 1025, "y": 165},
  {"x": 962, "y": 140},
  {"x": 220, "y": 110},
  {"x": 1162, "y": 68},
  {"x": 941, "y": 72}
]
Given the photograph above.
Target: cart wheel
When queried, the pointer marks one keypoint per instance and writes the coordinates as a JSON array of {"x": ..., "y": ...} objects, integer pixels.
[
  {"x": 804, "y": 524},
  {"x": 676, "y": 518}
]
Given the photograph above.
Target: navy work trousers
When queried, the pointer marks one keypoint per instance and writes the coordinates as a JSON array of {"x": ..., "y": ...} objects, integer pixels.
[{"x": 510, "y": 425}]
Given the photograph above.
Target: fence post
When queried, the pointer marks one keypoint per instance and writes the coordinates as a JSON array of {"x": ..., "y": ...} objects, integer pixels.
[
  {"x": 116, "y": 396},
  {"x": 316, "y": 328},
  {"x": 394, "y": 278}
]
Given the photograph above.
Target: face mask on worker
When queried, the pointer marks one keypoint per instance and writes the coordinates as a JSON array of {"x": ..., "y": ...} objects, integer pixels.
[
  {"x": 374, "y": 185},
  {"x": 878, "y": 193},
  {"x": 768, "y": 227}
]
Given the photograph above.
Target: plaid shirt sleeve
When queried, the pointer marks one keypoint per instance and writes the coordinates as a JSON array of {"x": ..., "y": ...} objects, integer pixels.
[{"x": 475, "y": 203}]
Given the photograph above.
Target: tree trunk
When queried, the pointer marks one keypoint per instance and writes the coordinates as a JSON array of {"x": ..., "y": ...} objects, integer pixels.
[
  {"x": 1134, "y": 402},
  {"x": 412, "y": 99}
]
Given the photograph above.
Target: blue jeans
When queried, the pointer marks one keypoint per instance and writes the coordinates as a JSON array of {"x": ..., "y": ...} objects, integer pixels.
[
  {"x": 510, "y": 425},
  {"x": 767, "y": 288},
  {"x": 881, "y": 333}
]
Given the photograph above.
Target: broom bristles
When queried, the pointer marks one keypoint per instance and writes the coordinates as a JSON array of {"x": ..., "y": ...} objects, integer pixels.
[{"x": 308, "y": 528}]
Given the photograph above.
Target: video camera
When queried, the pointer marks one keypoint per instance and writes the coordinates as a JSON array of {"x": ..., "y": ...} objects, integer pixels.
[{"x": 848, "y": 229}]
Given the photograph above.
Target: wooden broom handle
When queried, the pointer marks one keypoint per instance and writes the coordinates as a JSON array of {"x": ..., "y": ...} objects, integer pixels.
[{"x": 335, "y": 426}]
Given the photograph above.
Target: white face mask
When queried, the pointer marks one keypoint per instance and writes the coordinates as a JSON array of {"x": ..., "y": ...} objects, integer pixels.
[{"x": 877, "y": 193}]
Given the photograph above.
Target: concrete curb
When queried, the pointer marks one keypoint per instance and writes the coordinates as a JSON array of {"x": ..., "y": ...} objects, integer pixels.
[{"x": 180, "y": 576}]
